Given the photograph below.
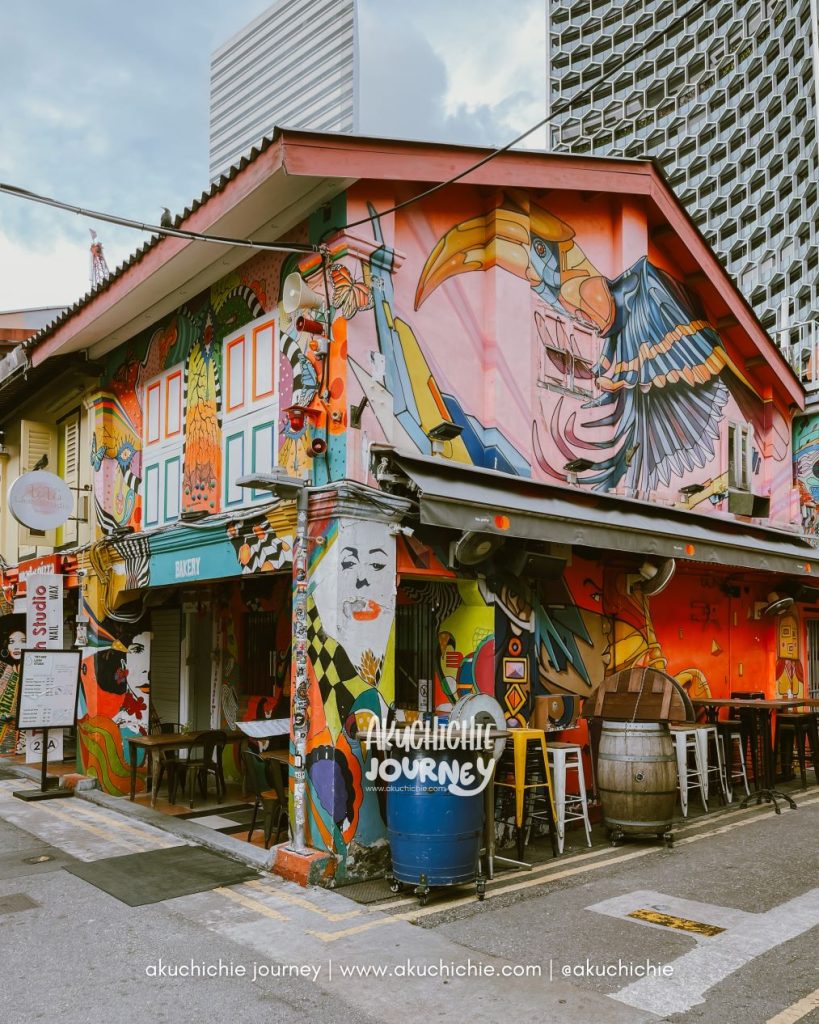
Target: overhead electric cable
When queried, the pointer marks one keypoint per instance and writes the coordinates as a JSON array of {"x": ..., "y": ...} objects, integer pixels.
[{"x": 155, "y": 229}]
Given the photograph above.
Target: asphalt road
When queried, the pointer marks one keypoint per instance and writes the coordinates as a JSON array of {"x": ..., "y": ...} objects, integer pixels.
[{"x": 747, "y": 879}]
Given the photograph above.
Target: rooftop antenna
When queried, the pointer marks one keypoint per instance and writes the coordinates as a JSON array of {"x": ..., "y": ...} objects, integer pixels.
[{"x": 99, "y": 268}]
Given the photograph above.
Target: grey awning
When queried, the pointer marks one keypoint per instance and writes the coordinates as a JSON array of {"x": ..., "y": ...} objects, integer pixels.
[{"x": 460, "y": 497}]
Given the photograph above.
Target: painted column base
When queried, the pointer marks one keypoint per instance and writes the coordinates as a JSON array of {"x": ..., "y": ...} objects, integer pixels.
[{"x": 314, "y": 867}]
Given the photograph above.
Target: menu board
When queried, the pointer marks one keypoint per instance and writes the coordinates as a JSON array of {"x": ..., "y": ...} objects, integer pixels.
[{"x": 48, "y": 689}]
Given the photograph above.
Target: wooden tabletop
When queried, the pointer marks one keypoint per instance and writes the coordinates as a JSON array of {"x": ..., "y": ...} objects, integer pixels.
[{"x": 169, "y": 740}]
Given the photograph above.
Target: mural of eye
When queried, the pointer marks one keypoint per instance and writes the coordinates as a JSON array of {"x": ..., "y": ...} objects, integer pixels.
[
  {"x": 378, "y": 566},
  {"x": 540, "y": 247},
  {"x": 815, "y": 469}
]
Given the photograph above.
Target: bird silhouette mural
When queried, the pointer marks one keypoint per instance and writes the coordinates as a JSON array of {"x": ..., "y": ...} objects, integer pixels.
[{"x": 660, "y": 376}]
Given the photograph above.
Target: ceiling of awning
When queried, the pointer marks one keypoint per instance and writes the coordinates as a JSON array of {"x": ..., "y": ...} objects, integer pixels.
[{"x": 458, "y": 497}]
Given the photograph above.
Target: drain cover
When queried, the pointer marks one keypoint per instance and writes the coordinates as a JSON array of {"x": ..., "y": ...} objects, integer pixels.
[
  {"x": 37, "y": 860},
  {"x": 15, "y": 902}
]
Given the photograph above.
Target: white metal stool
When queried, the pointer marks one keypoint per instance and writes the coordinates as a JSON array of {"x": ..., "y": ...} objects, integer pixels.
[
  {"x": 687, "y": 740},
  {"x": 734, "y": 736},
  {"x": 565, "y": 757},
  {"x": 704, "y": 733}
]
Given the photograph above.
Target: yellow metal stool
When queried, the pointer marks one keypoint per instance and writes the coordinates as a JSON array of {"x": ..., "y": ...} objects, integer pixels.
[{"x": 520, "y": 749}]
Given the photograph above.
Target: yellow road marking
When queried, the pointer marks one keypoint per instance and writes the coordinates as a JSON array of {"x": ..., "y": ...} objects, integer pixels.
[
  {"x": 124, "y": 826},
  {"x": 74, "y": 820},
  {"x": 300, "y": 901},
  {"x": 251, "y": 904},
  {"x": 683, "y": 924},
  {"x": 792, "y": 1014},
  {"x": 356, "y": 929}
]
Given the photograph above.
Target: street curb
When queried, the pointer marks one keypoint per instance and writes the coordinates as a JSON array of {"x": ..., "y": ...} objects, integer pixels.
[{"x": 200, "y": 835}]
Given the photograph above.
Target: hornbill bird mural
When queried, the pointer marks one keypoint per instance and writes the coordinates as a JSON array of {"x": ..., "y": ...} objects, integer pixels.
[{"x": 659, "y": 371}]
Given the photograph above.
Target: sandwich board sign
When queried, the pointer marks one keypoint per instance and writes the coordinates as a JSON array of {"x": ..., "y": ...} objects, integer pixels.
[{"x": 49, "y": 682}]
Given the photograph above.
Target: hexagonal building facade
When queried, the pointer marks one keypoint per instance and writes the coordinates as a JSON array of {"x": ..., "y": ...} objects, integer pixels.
[{"x": 727, "y": 102}]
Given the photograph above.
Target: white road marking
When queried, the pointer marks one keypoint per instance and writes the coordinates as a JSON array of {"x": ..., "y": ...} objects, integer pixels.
[
  {"x": 693, "y": 910},
  {"x": 746, "y": 937},
  {"x": 794, "y": 1013}
]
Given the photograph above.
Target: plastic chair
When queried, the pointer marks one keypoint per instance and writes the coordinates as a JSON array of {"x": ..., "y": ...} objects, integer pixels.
[
  {"x": 271, "y": 800},
  {"x": 200, "y": 768}
]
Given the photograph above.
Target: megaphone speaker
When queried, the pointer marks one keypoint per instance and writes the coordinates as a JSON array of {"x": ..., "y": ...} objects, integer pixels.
[
  {"x": 297, "y": 295},
  {"x": 318, "y": 446}
]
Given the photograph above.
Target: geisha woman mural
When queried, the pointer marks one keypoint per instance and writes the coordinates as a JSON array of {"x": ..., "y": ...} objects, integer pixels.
[{"x": 12, "y": 642}]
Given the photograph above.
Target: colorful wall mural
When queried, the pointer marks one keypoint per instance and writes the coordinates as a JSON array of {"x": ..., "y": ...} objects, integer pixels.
[
  {"x": 575, "y": 340},
  {"x": 12, "y": 642}
]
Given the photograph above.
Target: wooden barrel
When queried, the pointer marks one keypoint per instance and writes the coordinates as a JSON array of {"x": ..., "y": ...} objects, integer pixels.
[{"x": 637, "y": 777}]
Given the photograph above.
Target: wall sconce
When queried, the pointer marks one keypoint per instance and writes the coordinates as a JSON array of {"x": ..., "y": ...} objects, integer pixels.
[
  {"x": 445, "y": 432},
  {"x": 691, "y": 489},
  {"x": 297, "y": 414}
]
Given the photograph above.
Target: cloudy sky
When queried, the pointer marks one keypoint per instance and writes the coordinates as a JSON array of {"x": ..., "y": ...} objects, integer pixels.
[{"x": 105, "y": 105}]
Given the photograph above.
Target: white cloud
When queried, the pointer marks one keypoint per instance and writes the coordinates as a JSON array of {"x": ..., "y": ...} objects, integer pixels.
[{"x": 52, "y": 275}]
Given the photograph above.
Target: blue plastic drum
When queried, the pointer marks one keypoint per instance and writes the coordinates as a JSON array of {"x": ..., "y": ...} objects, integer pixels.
[{"x": 434, "y": 835}]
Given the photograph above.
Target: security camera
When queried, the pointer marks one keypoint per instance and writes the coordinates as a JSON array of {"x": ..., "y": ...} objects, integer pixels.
[
  {"x": 82, "y": 572},
  {"x": 394, "y": 529}
]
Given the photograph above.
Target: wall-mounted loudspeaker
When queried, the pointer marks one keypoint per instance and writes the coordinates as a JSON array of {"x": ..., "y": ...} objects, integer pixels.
[{"x": 297, "y": 295}]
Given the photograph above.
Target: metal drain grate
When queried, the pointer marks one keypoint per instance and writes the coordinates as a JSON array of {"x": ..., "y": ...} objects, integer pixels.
[{"x": 15, "y": 902}]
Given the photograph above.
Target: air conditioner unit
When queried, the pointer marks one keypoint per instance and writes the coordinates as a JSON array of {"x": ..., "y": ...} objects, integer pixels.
[{"x": 746, "y": 503}]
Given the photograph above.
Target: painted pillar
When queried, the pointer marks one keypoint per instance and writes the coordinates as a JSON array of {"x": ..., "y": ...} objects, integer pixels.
[{"x": 350, "y": 614}]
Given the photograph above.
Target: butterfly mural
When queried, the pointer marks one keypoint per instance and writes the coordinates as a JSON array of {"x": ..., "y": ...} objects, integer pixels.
[{"x": 349, "y": 295}]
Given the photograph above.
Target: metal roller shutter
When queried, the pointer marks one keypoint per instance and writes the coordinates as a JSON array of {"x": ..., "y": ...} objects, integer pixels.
[{"x": 166, "y": 642}]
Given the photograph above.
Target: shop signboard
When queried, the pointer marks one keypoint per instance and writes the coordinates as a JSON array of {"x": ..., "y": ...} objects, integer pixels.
[
  {"x": 48, "y": 689},
  {"x": 40, "y": 500},
  {"x": 44, "y": 631}
]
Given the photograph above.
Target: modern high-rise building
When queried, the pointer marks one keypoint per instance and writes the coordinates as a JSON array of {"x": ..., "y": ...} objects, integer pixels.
[
  {"x": 728, "y": 104},
  {"x": 295, "y": 66}
]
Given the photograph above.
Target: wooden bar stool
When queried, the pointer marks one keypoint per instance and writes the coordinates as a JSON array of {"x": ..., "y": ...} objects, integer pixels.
[{"x": 530, "y": 769}]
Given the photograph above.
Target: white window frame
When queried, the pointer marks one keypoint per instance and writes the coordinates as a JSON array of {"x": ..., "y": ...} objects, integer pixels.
[
  {"x": 250, "y": 407},
  {"x": 163, "y": 434},
  {"x": 740, "y": 440}
]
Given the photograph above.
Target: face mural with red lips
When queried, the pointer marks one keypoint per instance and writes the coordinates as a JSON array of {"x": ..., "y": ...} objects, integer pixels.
[{"x": 351, "y": 609}]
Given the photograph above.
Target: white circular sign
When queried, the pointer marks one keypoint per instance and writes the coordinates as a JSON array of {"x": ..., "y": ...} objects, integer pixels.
[{"x": 40, "y": 500}]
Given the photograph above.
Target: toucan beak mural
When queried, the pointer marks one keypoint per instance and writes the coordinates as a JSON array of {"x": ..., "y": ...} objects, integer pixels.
[{"x": 521, "y": 237}]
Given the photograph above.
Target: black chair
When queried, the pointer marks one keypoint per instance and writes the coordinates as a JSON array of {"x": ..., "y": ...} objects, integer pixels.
[
  {"x": 271, "y": 800},
  {"x": 168, "y": 761},
  {"x": 199, "y": 768}
]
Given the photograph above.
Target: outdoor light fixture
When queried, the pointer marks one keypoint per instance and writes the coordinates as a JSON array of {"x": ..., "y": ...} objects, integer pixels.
[
  {"x": 691, "y": 489},
  {"x": 277, "y": 482},
  {"x": 441, "y": 434},
  {"x": 297, "y": 414},
  {"x": 578, "y": 465}
]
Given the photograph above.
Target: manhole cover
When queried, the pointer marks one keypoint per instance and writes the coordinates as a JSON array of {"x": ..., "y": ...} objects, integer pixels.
[
  {"x": 15, "y": 902},
  {"x": 37, "y": 860}
]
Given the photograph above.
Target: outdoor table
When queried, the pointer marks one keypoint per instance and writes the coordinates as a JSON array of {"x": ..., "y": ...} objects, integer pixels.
[
  {"x": 158, "y": 743},
  {"x": 759, "y": 714}
]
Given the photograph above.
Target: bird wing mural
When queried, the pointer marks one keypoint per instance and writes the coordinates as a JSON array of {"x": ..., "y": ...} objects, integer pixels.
[{"x": 659, "y": 375}]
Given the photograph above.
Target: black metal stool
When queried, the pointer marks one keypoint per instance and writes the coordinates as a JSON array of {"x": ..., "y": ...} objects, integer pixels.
[{"x": 797, "y": 728}]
